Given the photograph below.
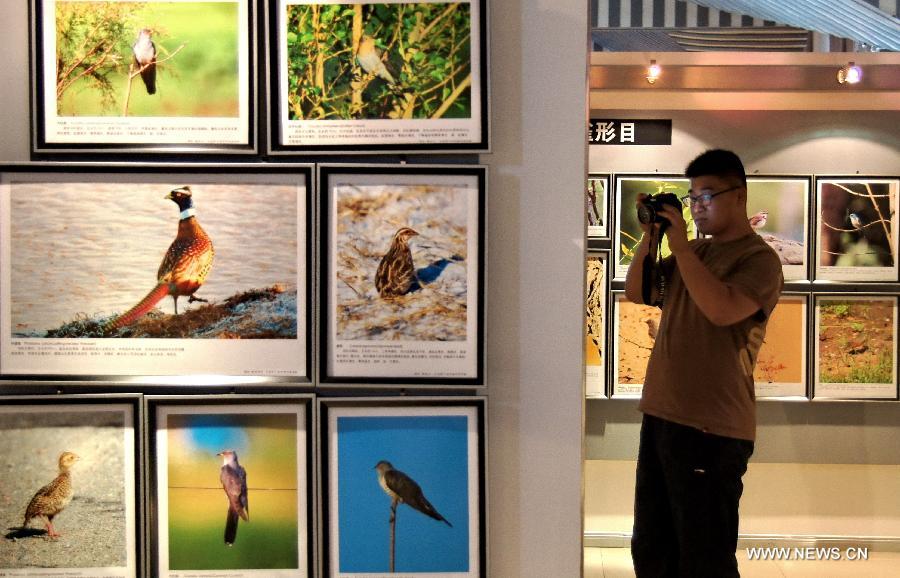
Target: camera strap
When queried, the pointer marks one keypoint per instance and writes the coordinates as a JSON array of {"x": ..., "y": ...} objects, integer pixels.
[{"x": 651, "y": 274}]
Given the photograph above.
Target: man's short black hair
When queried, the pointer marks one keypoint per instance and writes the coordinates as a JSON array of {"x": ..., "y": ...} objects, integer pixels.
[{"x": 717, "y": 163}]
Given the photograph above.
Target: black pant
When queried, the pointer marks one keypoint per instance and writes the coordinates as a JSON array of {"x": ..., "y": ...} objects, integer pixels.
[{"x": 686, "y": 501}]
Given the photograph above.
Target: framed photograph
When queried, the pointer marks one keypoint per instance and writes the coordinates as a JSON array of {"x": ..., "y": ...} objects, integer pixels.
[
  {"x": 634, "y": 329},
  {"x": 402, "y": 276},
  {"x": 856, "y": 347},
  {"x": 372, "y": 77},
  {"x": 596, "y": 202},
  {"x": 595, "y": 327},
  {"x": 403, "y": 487},
  {"x": 71, "y": 486},
  {"x": 781, "y": 363},
  {"x": 857, "y": 228},
  {"x": 232, "y": 485},
  {"x": 120, "y": 76},
  {"x": 778, "y": 209},
  {"x": 628, "y": 229},
  {"x": 155, "y": 274}
]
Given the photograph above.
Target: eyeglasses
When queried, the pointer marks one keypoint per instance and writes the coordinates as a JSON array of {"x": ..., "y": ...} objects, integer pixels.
[{"x": 705, "y": 199}]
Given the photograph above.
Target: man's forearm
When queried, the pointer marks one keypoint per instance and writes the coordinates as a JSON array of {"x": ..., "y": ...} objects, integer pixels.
[{"x": 718, "y": 301}]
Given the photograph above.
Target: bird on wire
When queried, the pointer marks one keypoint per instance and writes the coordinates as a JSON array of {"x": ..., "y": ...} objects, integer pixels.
[
  {"x": 369, "y": 58},
  {"x": 396, "y": 273},
  {"x": 144, "y": 52},
  {"x": 758, "y": 221},
  {"x": 185, "y": 265},
  {"x": 404, "y": 490},
  {"x": 234, "y": 482},
  {"x": 54, "y": 497}
]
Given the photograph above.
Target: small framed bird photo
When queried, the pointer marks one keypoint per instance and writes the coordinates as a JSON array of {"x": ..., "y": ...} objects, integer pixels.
[
  {"x": 595, "y": 327},
  {"x": 115, "y": 275},
  {"x": 402, "y": 283},
  {"x": 394, "y": 75},
  {"x": 856, "y": 347},
  {"x": 231, "y": 480},
  {"x": 857, "y": 228},
  {"x": 596, "y": 201},
  {"x": 154, "y": 76},
  {"x": 628, "y": 228},
  {"x": 403, "y": 487},
  {"x": 778, "y": 209},
  {"x": 70, "y": 486},
  {"x": 781, "y": 363}
]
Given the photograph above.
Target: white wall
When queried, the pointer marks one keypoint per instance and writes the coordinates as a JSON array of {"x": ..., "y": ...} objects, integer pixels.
[{"x": 535, "y": 271}]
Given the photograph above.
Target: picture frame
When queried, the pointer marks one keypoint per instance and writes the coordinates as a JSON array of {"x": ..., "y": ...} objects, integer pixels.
[
  {"x": 856, "y": 347},
  {"x": 326, "y": 98},
  {"x": 595, "y": 354},
  {"x": 401, "y": 289},
  {"x": 428, "y": 451},
  {"x": 597, "y": 205},
  {"x": 634, "y": 334},
  {"x": 781, "y": 365},
  {"x": 778, "y": 210},
  {"x": 627, "y": 227},
  {"x": 156, "y": 77},
  {"x": 857, "y": 226},
  {"x": 64, "y": 310},
  {"x": 90, "y": 444},
  {"x": 232, "y": 485}
]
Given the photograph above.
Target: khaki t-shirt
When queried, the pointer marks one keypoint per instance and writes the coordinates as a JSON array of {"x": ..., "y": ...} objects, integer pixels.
[{"x": 701, "y": 375}]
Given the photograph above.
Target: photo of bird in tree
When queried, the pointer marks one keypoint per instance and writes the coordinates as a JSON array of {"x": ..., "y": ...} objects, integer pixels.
[
  {"x": 145, "y": 259},
  {"x": 402, "y": 60},
  {"x": 858, "y": 229},
  {"x": 401, "y": 261},
  {"x": 67, "y": 497},
  {"x": 401, "y": 494},
  {"x": 146, "y": 59},
  {"x": 231, "y": 490}
]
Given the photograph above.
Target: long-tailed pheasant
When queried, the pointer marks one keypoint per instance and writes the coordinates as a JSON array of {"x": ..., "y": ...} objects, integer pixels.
[
  {"x": 185, "y": 266},
  {"x": 54, "y": 497},
  {"x": 396, "y": 273}
]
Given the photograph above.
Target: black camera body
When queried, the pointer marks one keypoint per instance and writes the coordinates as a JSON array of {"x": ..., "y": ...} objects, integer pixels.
[{"x": 649, "y": 210}]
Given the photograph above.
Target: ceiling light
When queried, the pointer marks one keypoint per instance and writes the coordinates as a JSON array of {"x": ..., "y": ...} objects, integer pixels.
[
  {"x": 850, "y": 74},
  {"x": 653, "y": 72}
]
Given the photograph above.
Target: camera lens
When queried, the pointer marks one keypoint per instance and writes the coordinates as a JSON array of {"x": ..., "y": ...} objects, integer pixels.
[{"x": 645, "y": 214}]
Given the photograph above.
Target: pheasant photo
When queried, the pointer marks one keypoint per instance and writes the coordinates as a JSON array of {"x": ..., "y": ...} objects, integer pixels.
[
  {"x": 53, "y": 498},
  {"x": 185, "y": 265}
]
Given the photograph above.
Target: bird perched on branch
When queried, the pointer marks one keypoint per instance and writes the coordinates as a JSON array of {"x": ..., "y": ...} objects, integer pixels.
[
  {"x": 396, "y": 273},
  {"x": 145, "y": 58},
  {"x": 185, "y": 265},
  {"x": 234, "y": 482},
  {"x": 369, "y": 58},
  {"x": 404, "y": 490},
  {"x": 54, "y": 497}
]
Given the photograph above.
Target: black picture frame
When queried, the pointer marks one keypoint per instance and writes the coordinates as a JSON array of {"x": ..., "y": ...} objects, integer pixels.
[
  {"x": 109, "y": 226},
  {"x": 335, "y": 128},
  {"x": 166, "y": 121},
  {"x": 440, "y": 443},
  {"x": 255, "y": 428},
  {"x": 372, "y": 339}
]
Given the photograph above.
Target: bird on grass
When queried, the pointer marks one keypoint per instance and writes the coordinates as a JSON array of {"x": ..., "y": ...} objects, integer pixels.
[
  {"x": 369, "y": 58},
  {"x": 758, "y": 221},
  {"x": 144, "y": 52},
  {"x": 234, "y": 482},
  {"x": 404, "y": 490},
  {"x": 54, "y": 497},
  {"x": 184, "y": 267},
  {"x": 396, "y": 273}
]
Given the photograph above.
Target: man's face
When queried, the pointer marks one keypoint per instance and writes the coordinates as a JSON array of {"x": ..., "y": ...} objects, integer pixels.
[{"x": 718, "y": 213}]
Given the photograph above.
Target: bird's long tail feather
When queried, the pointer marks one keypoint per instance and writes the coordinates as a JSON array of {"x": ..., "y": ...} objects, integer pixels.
[
  {"x": 231, "y": 524},
  {"x": 141, "y": 309}
]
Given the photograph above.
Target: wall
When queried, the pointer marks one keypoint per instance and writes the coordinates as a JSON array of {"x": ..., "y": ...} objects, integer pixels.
[
  {"x": 535, "y": 271},
  {"x": 820, "y": 469}
]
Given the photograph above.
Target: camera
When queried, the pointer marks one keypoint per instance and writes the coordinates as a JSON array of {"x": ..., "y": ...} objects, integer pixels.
[{"x": 648, "y": 211}]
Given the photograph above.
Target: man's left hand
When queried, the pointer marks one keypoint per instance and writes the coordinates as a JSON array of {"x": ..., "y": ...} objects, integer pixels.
[{"x": 676, "y": 231}]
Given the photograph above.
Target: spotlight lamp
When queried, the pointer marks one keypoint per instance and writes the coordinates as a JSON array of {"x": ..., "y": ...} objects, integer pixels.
[
  {"x": 850, "y": 74},
  {"x": 653, "y": 72}
]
